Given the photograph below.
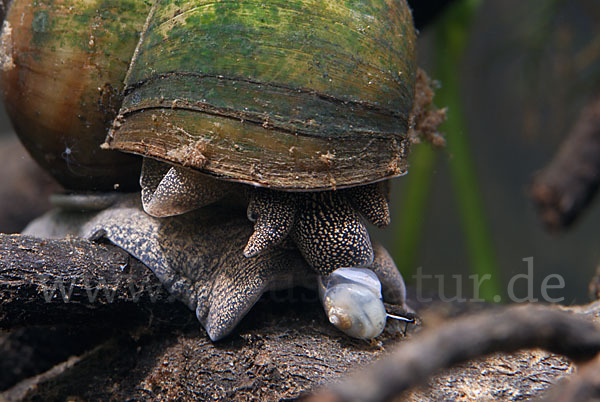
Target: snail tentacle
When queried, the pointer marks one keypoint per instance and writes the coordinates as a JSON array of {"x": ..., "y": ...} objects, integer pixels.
[
  {"x": 169, "y": 190},
  {"x": 372, "y": 201},
  {"x": 273, "y": 215}
]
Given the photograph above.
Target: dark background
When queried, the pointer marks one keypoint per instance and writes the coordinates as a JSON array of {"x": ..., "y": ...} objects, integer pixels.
[{"x": 529, "y": 68}]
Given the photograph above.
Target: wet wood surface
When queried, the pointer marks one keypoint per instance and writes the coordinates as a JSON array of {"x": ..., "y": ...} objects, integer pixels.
[{"x": 151, "y": 348}]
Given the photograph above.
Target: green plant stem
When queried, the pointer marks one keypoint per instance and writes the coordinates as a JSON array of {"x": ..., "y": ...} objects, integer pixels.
[
  {"x": 451, "y": 38},
  {"x": 409, "y": 231}
]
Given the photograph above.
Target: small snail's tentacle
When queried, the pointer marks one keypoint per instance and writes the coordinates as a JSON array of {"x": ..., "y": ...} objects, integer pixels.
[
  {"x": 330, "y": 233},
  {"x": 172, "y": 190},
  {"x": 352, "y": 301},
  {"x": 273, "y": 215},
  {"x": 393, "y": 287},
  {"x": 372, "y": 201},
  {"x": 401, "y": 318}
]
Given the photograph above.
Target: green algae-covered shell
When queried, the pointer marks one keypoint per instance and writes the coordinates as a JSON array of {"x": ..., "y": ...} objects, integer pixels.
[
  {"x": 288, "y": 94},
  {"x": 62, "y": 67}
]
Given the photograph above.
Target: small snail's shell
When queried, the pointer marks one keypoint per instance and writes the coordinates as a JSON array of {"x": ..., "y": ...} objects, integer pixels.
[{"x": 352, "y": 301}]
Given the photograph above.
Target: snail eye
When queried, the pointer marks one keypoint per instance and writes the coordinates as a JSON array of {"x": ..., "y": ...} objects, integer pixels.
[{"x": 66, "y": 153}]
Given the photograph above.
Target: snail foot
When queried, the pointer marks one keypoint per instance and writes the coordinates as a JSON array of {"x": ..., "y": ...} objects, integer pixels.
[{"x": 330, "y": 233}]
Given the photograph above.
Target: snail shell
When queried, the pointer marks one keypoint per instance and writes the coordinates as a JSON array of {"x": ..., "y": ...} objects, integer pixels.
[
  {"x": 62, "y": 68},
  {"x": 352, "y": 301},
  {"x": 291, "y": 95}
]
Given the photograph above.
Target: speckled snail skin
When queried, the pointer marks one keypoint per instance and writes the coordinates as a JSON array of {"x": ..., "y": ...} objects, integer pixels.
[
  {"x": 198, "y": 257},
  {"x": 303, "y": 106}
]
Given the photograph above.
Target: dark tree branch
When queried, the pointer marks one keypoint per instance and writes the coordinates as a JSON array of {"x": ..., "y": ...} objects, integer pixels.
[
  {"x": 565, "y": 187},
  {"x": 54, "y": 281},
  {"x": 281, "y": 350},
  {"x": 467, "y": 338}
]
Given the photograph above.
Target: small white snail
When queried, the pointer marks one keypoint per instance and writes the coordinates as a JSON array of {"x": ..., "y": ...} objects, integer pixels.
[{"x": 353, "y": 303}]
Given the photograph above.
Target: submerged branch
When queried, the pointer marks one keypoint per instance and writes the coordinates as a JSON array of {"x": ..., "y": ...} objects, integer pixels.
[
  {"x": 567, "y": 185},
  {"x": 55, "y": 281},
  {"x": 504, "y": 330},
  {"x": 283, "y": 349}
]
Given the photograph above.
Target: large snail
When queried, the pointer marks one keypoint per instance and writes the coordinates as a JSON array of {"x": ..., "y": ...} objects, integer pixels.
[
  {"x": 303, "y": 106},
  {"x": 199, "y": 259}
]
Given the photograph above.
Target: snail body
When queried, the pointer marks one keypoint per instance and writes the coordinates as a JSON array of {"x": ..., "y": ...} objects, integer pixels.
[
  {"x": 353, "y": 302},
  {"x": 301, "y": 98},
  {"x": 303, "y": 107},
  {"x": 198, "y": 258}
]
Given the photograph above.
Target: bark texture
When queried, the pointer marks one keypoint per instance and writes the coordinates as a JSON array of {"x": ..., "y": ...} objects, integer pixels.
[
  {"x": 504, "y": 329},
  {"x": 149, "y": 348}
]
